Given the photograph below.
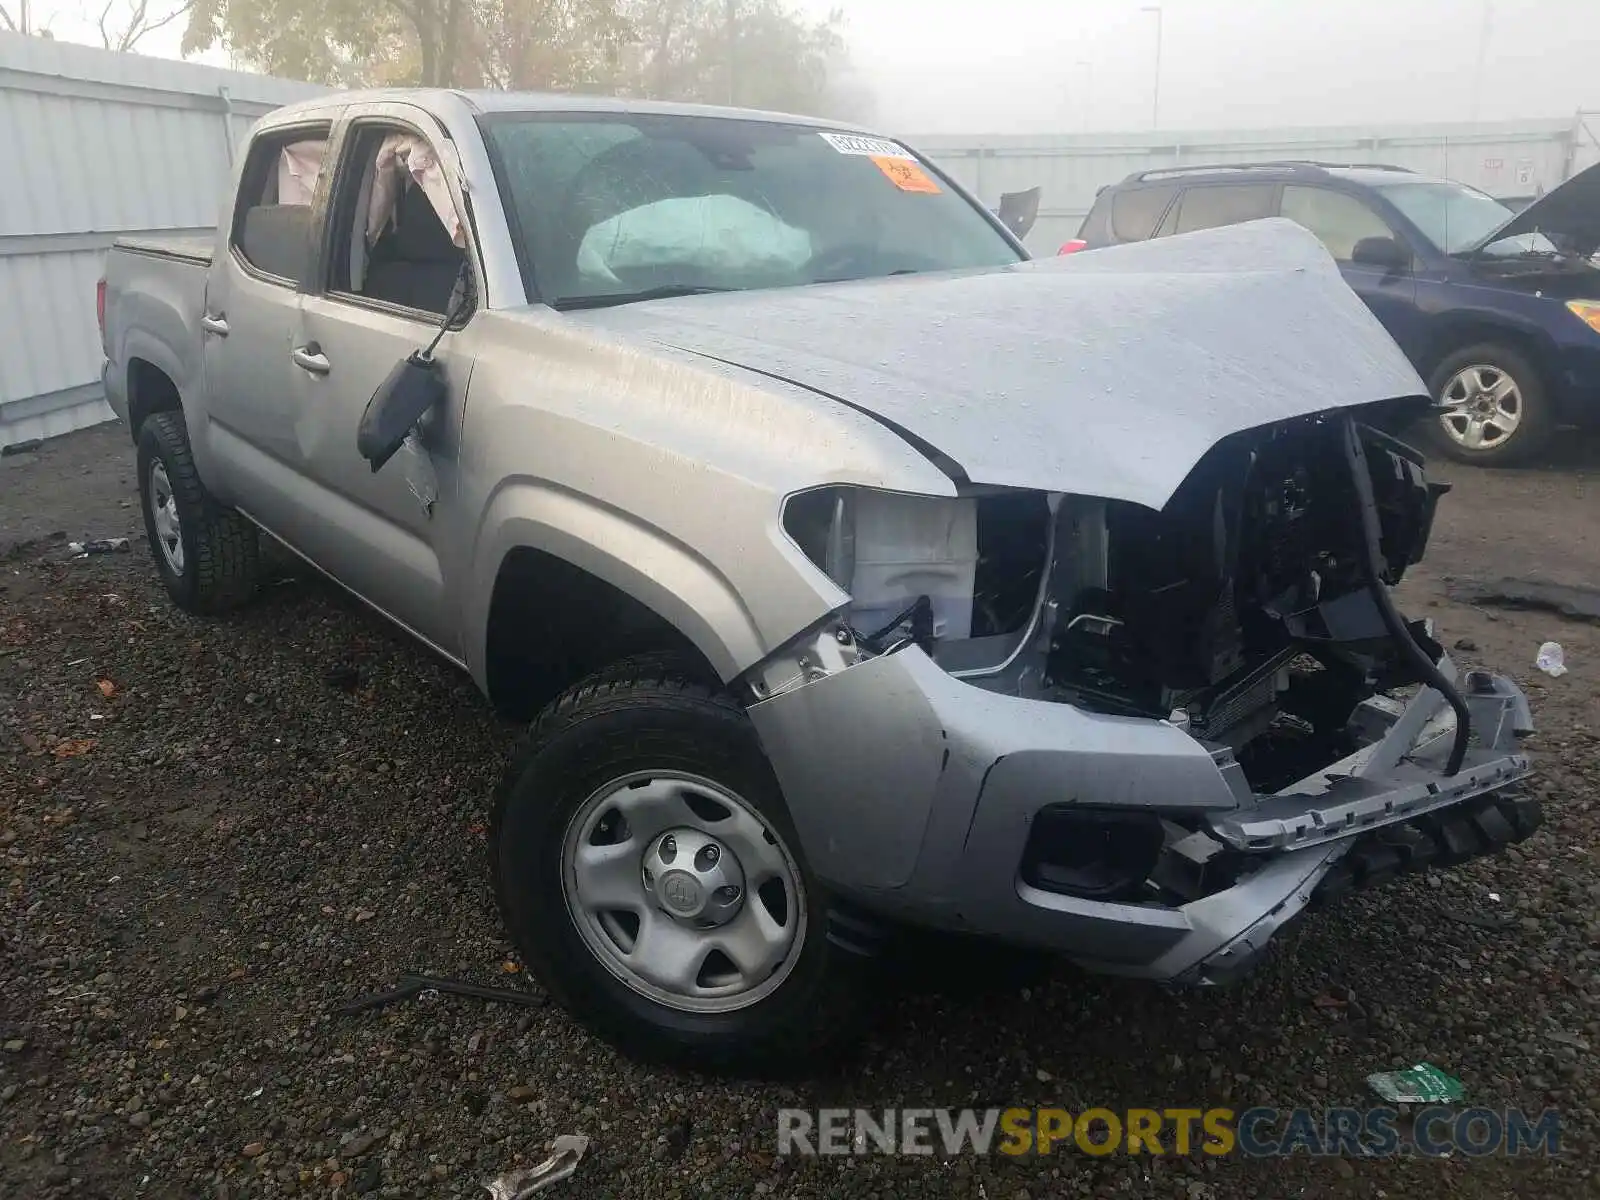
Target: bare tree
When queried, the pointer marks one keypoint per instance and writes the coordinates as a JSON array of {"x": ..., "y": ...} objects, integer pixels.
[{"x": 140, "y": 20}]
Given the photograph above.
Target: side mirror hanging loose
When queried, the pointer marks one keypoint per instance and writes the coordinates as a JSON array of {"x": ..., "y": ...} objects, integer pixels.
[{"x": 410, "y": 390}]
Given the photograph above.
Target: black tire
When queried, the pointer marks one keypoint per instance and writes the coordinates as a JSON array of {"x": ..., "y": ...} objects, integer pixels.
[
  {"x": 221, "y": 556},
  {"x": 642, "y": 716},
  {"x": 1537, "y": 420}
]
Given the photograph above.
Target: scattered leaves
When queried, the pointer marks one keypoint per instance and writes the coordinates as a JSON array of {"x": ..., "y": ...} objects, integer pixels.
[
  {"x": 364, "y": 914},
  {"x": 509, "y": 968},
  {"x": 73, "y": 747},
  {"x": 107, "y": 688}
]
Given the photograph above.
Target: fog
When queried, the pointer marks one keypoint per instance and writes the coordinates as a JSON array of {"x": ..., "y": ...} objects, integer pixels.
[
  {"x": 1035, "y": 66},
  {"x": 1029, "y": 66}
]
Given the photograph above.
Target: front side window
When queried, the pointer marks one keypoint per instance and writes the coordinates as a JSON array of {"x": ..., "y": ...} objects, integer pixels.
[
  {"x": 1338, "y": 220},
  {"x": 1211, "y": 206},
  {"x": 612, "y": 207},
  {"x": 399, "y": 239},
  {"x": 272, "y": 223},
  {"x": 1455, "y": 218}
]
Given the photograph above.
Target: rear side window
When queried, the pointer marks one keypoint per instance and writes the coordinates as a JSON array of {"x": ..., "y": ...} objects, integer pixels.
[
  {"x": 272, "y": 221},
  {"x": 1224, "y": 204},
  {"x": 1339, "y": 220},
  {"x": 1134, "y": 213}
]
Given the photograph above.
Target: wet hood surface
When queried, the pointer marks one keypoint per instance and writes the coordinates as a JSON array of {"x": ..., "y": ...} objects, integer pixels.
[{"x": 1107, "y": 373}]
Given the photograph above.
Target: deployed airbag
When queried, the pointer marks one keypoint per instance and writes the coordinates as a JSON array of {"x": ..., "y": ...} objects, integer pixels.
[{"x": 716, "y": 234}]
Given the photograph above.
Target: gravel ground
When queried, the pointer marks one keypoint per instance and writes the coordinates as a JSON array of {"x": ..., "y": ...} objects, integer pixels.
[{"x": 214, "y": 832}]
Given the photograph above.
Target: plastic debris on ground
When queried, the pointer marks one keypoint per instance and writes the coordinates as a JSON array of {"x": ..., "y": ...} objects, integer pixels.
[
  {"x": 1421, "y": 1084},
  {"x": 566, "y": 1152},
  {"x": 97, "y": 546},
  {"x": 1551, "y": 659}
]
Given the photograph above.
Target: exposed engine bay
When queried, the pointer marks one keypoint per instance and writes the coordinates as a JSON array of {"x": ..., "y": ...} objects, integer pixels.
[
  {"x": 1245, "y": 611},
  {"x": 1252, "y": 614}
]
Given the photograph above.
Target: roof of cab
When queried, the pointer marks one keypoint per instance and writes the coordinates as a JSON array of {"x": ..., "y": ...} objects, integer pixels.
[{"x": 487, "y": 102}]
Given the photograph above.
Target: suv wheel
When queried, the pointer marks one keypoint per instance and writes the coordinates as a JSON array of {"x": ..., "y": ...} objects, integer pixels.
[
  {"x": 208, "y": 556},
  {"x": 648, "y": 871},
  {"x": 1495, "y": 409}
]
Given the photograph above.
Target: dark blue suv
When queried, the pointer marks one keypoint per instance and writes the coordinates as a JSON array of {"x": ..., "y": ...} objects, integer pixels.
[{"x": 1498, "y": 310}]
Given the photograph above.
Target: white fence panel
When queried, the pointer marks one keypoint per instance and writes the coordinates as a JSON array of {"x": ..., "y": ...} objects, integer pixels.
[{"x": 97, "y": 145}]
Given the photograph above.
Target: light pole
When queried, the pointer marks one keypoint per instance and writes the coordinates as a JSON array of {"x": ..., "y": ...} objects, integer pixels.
[{"x": 1155, "y": 100}]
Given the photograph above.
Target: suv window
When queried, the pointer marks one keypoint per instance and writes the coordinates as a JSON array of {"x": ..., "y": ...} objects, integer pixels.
[
  {"x": 272, "y": 220},
  {"x": 1339, "y": 220},
  {"x": 1208, "y": 206},
  {"x": 1134, "y": 213}
]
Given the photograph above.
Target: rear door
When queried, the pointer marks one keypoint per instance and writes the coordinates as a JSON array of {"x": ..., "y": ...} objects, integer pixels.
[
  {"x": 1340, "y": 220},
  {"x": 252, "y": 309},
  {"x": 1213, "y": 205},
  {"x": 387, "y": 271}
]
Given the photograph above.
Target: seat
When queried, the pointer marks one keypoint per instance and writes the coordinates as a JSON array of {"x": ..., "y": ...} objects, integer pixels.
[
  {"x": 275, "y": 238},
  {"x": 414, "y": 264}
]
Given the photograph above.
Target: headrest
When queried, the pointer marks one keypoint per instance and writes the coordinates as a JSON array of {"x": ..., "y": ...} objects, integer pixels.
[{"x": 419, "y": 235}]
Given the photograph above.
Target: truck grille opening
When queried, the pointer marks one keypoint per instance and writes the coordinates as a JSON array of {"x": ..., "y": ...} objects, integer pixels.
[{"x": 1245, "y": 601}]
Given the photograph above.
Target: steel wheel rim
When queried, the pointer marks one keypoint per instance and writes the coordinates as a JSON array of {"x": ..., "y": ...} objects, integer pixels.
[
  {"x": 720, "y": 959},
  {"x": 164, "y": 518},
  {"x": 1483, "y": 407}
]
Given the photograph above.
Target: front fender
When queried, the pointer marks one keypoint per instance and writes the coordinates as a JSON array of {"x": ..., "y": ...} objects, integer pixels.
[{"x": 641, "y": 560}]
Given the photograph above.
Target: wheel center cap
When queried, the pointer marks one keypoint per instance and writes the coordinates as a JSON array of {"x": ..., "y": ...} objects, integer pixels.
[
  {"x": 681, "y": 893},
  {"x": 694, "y": 877}
]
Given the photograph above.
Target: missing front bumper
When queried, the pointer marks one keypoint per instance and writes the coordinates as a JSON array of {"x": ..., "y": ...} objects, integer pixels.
[
  {"x": 1483, "y": 826},
  {"x": 915, "y": 796}
]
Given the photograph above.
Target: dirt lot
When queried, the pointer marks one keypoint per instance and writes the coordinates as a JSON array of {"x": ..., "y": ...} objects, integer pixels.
[{"x": 212, "y": 833}]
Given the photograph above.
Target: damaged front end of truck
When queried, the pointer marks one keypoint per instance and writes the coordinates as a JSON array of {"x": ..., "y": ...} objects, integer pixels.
[{"x": 1143, "y": 738}]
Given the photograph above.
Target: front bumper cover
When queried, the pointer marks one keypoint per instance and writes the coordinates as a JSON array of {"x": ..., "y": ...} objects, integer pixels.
[{"x": 913, "y": 794}]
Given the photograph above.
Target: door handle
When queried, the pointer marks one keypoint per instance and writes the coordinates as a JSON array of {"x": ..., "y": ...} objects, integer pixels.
[
  {"x": 311, "y": 358},
  {"x": 215, "y": 324}
]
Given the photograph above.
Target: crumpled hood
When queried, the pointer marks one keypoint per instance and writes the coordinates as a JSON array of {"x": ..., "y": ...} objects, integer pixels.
[{"x": 1107, "y": 373}]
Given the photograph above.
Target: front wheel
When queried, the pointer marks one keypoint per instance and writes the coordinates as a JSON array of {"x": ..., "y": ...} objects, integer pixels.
[
  {"x": 1494, "y": 409},
  {"x": 647, "y": 869}
]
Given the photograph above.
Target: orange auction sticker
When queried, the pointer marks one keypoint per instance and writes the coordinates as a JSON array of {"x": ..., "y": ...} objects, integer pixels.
[{"x": 906, "y": 175}]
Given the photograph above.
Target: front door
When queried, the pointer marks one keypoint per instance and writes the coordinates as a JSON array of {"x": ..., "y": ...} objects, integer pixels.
[
  {"x": 394, "y": 253},
  {"x": 1340, "y": 220}
]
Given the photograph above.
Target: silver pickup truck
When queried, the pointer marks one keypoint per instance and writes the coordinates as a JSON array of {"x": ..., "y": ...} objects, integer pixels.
[{"x": 856, "y": 572}]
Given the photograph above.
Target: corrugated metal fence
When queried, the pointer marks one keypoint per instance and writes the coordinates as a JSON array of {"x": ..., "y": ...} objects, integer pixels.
[
  {"x": 1513, "y": 159},
  {"x": 96, "y": 145}
]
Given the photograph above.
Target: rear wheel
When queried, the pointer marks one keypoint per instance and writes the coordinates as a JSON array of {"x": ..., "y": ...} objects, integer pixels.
[
  {"x": 647, "y": 868},
  {"x": 1495, "y": 409},
  {"x": 207, "y": 555}
]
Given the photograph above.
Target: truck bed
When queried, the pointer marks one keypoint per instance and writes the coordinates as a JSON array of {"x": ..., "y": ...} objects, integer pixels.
[
  {"x": 190, "y": 249},
  {"x": 156, "y": 288}
]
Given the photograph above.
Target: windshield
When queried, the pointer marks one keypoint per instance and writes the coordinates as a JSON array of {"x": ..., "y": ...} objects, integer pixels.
[
  {"x": 1456, "y": 218},
  {"x": 616, "y": 206}
]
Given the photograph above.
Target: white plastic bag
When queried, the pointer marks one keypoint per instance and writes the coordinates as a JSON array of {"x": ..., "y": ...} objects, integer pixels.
[{"x": 1551, "y": 659}]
